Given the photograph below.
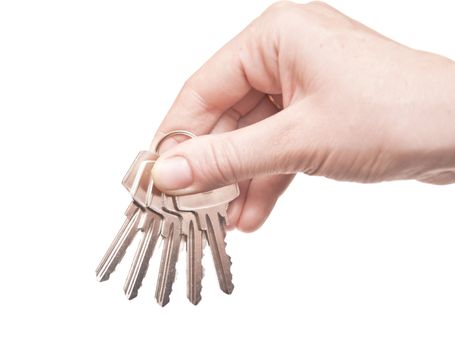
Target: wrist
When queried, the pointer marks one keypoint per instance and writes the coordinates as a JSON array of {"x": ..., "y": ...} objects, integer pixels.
[
  {"x": 439, "y": 156},
  {"x": 422, "y": 140}
]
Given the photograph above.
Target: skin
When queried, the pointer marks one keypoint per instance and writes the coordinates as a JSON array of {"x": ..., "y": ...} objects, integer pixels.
[{"x": 357, "y": 106}]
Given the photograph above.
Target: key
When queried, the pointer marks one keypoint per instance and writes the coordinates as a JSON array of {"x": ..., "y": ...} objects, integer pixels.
[
  {"x": 151, "y": 234},
  {"x": 118, "y": 247},
  {"x": 172, "y": 219},
  {"x": 194, "y": 256},
  {"x": 138, "y": 182},
  {"x": 155, "y": 223},
  {"x": 210, "y": 209},
  {"x": 193, "y": 237},
  {"x": 172, "y": 235}
]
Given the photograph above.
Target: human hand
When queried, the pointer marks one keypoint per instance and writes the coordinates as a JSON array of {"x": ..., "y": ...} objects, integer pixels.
[{"x": 357, "y": 107}]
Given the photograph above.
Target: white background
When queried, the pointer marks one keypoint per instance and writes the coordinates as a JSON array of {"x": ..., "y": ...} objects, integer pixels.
[{"x": 84, "y": 85}]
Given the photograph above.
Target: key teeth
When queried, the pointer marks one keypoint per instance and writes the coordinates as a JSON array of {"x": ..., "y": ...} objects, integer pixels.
[
  {"x": 130, "y": 295},
  {"x": 104, "y": 277},
  {"x": 229, "y": 291},
  {"x": 165, "y": 298},
  {"x": 105, "y": 269},
  {"x": 136, "y": 276},
  {"x": 230, "y": 287},
  {"x": 195, "y": 299},
  {"x": 101, "y": 278},
  {"x": 163, "y": 302},
  {"x": 130, "y": 291}
]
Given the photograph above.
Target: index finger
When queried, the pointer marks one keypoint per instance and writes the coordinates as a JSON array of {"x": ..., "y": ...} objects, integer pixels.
[{"x": 221, "y": 83}]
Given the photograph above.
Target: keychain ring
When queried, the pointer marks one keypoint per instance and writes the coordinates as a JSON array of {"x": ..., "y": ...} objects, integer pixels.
[
  {"x": 170, "y": 134},
  {"x": 275, "y": 102}
]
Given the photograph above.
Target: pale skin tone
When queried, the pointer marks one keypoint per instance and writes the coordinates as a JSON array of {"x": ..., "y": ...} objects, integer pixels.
[{"x": 357, "y": 106}]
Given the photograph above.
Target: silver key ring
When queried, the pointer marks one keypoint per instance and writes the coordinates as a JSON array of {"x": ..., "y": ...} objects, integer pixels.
[{"x": 172, "y": 133}]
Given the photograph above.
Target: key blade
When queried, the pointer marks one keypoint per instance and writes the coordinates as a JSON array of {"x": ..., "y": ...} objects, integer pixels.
[
  {"x": 194, "y": 263},
  {"x": 118, "y": 247},
  {"x": 215, "y": 235},
  {"x": 142, "y": 258},
  {"x": 168, "y": 263}
]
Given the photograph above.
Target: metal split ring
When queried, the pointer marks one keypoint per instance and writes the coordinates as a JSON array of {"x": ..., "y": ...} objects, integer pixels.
[
  {"x": 278, "y": 105},
  {"x": 170, "y": 134}
]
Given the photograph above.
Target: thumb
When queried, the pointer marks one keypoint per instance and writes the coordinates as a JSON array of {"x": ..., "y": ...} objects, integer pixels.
[{"x": 212, "y": 161}]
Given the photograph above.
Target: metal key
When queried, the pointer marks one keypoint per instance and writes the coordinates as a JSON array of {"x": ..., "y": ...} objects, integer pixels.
[
  {"x": 151, "y": 234},
  {"x": 193, "y": 239},
  {"x": 173, "y": 219},
  {"x": 172, "y": 234},
  {"x": 210, "y": 209},
  {"x": 194, "y": 248},
  {"x": 118, "y": 247},
  {"x": 138, "y": 182}
]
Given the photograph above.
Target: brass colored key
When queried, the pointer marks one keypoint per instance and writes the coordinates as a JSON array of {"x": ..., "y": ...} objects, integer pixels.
[
  {"x": 194, "y": 257},
  {"x": 210, "y": 208},
  {"x": 193, "y": 238},
  {"x": 172, "y": 235},
  {"x": 121, "y": 242},
  {"x": 138, "y": 182},
  {"x": 171, "y": 219},
  {"x": 151, "y": 234}
]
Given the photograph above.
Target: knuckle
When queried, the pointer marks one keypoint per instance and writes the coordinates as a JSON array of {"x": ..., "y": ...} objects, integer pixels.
[
  {"x": 284, "y": 11},
  {"x": 280, "y": 9},
  {"x": 278, "y": 18},
  {"x": 191, "y": 96},
  {"x": 318, "y": 5},
  {"x": 280, "y": 6},
  {"x": 318, "y": 10},
  {"x": 287, "y": 14}
]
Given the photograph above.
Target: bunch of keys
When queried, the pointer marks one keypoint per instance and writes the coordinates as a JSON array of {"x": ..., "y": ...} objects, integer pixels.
[{"x": 189, "y": 218}]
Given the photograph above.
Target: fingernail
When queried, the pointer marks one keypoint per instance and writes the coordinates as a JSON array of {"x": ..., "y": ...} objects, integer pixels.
[{"x": 172, "y": 173}]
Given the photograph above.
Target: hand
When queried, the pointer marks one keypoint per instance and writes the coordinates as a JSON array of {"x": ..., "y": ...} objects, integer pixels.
[{"x": 357, "y": 107}]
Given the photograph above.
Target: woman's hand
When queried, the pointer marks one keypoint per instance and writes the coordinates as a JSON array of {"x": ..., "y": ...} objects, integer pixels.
[{"x": 356, "y": 106}]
